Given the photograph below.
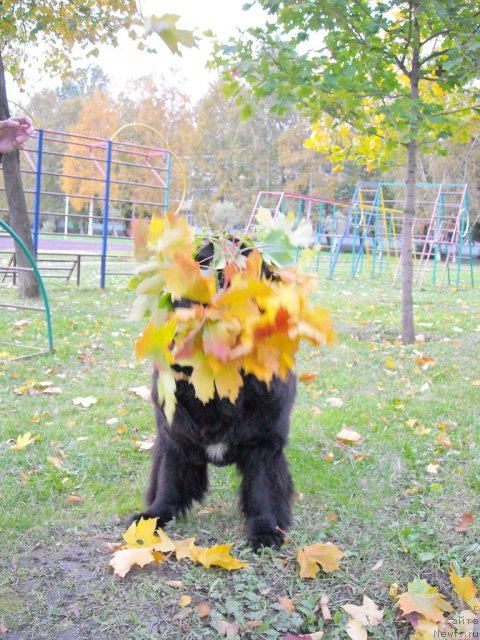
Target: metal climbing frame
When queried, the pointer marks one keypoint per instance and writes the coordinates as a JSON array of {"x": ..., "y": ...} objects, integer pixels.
[
  {"x": 326, "y": 215},
  {"x": 441, "y": 231},
  {"x": 13, "y": 305},
  {"x": 83, "y": 191}
]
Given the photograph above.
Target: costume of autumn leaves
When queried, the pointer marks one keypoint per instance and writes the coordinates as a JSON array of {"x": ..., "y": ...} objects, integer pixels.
[{"x": 251, "y": 324}]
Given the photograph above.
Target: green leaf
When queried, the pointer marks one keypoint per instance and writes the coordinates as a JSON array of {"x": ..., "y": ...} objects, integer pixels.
[{"x": 165, "y": 27}]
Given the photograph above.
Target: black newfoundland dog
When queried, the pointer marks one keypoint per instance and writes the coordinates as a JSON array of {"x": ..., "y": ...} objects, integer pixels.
[{"x": 250, "y": 433}]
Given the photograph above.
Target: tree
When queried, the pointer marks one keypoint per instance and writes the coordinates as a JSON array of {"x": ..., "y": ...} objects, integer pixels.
[
  {"x": 60, "y": 27},
  {"x": 389, "y": 76},
  {"x": 98, "y": 118},
  {"x": 64, "y": 30}
]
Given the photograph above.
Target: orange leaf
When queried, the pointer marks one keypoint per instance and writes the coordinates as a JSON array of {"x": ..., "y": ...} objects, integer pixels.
[
  {"x": 465, "y": 521},
  {"x": 349, "y": 436},
  {"x": 326, "y": 555},
  {"x": 203, "y": 609},
  {"x": 139, "y": 235},
  {"x": 424, "y": 599},
  {"x": 287, "y": 604},
  {"x": 308, "y": 377},
  {"x": 184, "y": 279}
]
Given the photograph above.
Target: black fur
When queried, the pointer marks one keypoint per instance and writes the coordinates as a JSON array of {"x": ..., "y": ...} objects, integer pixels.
[{"x": 254, "y": 432}]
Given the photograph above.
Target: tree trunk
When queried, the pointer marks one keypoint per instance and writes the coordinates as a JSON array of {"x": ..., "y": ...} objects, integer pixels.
[
  {"x": 17, "y": 206},
  {"x": 408, "y": 329}
]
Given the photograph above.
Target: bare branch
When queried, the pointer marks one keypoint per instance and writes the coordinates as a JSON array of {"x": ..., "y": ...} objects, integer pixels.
[{"x": 434, "y": 55}]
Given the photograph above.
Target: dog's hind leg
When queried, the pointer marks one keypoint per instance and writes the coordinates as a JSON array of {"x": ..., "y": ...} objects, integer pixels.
[
  {"x": 265, "y": 495},
  {"x": 176, "y": 481}
]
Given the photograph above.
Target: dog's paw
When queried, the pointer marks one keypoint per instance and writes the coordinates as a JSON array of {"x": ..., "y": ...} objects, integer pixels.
[
  {"x": 136, "y": 517},
  {"x": 259, "y": 539}
]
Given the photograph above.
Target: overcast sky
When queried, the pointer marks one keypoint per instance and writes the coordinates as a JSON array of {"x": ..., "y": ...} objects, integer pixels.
[
  {"x": 125, "y": 62},
  {"x": 223, "y": 17}
]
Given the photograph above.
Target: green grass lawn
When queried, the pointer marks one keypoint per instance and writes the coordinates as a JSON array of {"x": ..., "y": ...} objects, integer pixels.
[{"x": 392, "y": 502}]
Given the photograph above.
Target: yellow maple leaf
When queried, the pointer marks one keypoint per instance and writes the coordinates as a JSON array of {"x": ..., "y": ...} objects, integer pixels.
[
  {"x": 218, "y": 555},
  {"x": 183, "y": 548},
  {"x": 317, "y": 555},
  {"x": 202, "y": 378},
  {"x": 424, "y": 599},
  {"x": 144, "y": 533},
  {"x": 156, "y": 339},
  {"x": 23, "y": 442},
  {"x": 465, "y": 589},
  {"x": 228, "y": 382},
  {"x": 184, "y": 601},
  {"x": 184, "y": 279},
  {"x": 141, "y": 533},
  {"x": 124, "y": 559}
]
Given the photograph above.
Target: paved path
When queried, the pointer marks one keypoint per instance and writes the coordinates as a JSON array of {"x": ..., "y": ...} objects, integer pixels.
[{"x": 68, "y": 245}]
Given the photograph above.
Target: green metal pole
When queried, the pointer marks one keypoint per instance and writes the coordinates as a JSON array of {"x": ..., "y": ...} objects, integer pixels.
[{"x": 12, "y": 233}]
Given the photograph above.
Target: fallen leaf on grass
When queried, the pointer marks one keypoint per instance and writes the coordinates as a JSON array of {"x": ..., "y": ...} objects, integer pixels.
[
  {"x": 368, "y": 615},
  {"x": 218, "y": 556},
  {"x": 144, "y": 533},
  {"x": 311, "y": 636},
  {"x": 52, "y": 390},
  {"x": 349, "y": 436},
  {"x": 85, "y": 402},
  {"x": 125, "y": 559},
  {"x": 424, "y": 361},
  {"x": 326, "y": 615},
  {"x": 185, "y": 601},
  {"x": 57, "y": 462},
  {"x": 203, "y": 609},
  {"x": 145, "y": 536},
  {"x": 74, "y": 499},
  {"x": 253, "y": 624},
  {"x": 334, "y": 402},
  {"x": 465, "y": 589},
  {"x": 433, "y": 468},
  {"x": 183, "y": 547},
  {"x": 308, "y": 377},
  {"x": 143, "y": 392},
  {"x": 421, "y": 598},
  {"x": 314, "y": 556},
  {"x": 465, "y": 521},
  {"x": 228, "y": 629},
  {"x": 287, "y": 604},
  {"x": 355, "y": 630},
  {"x": 23, "y": 442}
]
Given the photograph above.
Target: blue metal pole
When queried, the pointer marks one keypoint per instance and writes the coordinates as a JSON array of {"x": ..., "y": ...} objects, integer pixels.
[
  {"x": 106, "y": 206},
  {"x": 38, "y": 186},
  {"x": 166, "y": 201}
]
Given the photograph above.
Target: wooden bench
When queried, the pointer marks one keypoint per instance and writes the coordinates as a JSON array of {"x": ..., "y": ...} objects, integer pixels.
[{"x": 63, "y": 267}]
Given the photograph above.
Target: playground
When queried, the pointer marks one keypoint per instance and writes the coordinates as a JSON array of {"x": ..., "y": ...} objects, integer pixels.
[
  {"x": 379, "y": 500},
  {"x": 336, "y": 347}
]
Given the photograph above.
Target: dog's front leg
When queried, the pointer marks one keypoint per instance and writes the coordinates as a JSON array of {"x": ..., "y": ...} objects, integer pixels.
[
  {"x": 176, "y": 482},
  {"x": 265, "y": 495}
]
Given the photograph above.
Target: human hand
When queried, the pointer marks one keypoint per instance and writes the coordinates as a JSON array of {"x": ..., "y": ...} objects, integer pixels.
[{"x": 14, "y": 132}]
